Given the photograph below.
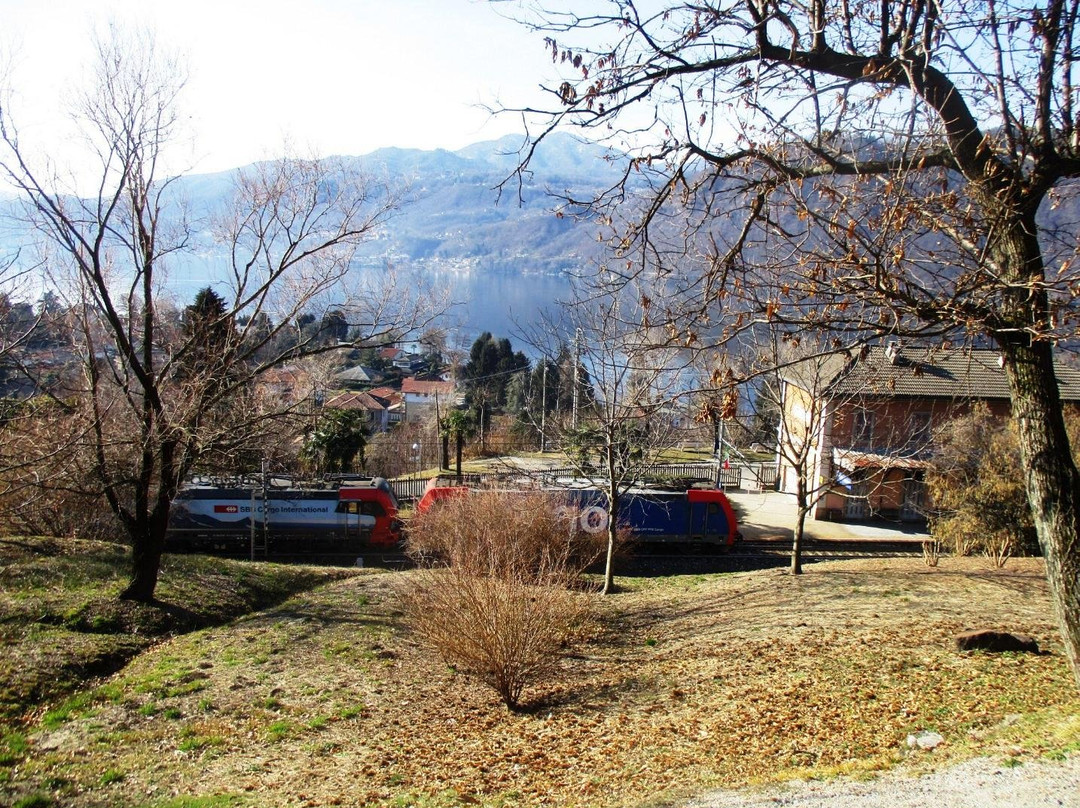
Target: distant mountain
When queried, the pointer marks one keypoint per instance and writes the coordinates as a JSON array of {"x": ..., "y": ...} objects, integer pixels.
[{"x": 459, "y": 219}]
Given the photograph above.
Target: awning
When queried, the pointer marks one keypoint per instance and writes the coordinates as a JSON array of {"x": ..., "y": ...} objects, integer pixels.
[{"x": 851, "y": 460}]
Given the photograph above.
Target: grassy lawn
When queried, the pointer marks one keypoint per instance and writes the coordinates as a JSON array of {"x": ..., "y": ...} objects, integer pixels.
[
  {"x": 61, "y": 624},
  {"x": 686, "y": 683}
]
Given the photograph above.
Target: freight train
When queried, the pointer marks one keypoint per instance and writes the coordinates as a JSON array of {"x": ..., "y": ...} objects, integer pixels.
[
  {"x": 284, "y": 518},
  {"x": 698, "y": 517}
]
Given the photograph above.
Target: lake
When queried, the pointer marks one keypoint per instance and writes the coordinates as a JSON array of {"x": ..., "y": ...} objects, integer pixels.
[{"x": 504, "y": 304}]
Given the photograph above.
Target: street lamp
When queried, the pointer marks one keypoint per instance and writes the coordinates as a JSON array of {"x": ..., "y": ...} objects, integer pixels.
[{"x": 418, "y": 447}]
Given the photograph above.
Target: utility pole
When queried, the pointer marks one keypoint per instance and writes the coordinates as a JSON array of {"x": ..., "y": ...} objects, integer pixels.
[
  {"x": 577, "y": 364},
  {"x": 543, "y": 408}
]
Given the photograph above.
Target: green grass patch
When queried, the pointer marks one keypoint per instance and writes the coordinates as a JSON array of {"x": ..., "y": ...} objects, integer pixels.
[
  {"x": 34, "y": 801},
  {"x": 13, "y": 747},
  {"x": 63, "y": 623},
  {"x": 352, "y": 711},
  {"x": 210, "y": 801},
  {"x": 196, "y": 743},
  {"x": 280, "y": 730},
  {"x": 110, "y": 776}
]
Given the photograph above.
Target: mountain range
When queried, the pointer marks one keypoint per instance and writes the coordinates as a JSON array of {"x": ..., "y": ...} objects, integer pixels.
[{"x": 457, "y": 218}]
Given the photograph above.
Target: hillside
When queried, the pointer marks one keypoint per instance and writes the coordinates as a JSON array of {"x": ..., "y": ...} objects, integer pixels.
[{"x": 686, "y": 683}]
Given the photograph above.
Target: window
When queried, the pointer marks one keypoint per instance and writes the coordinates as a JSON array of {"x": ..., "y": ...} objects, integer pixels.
[
  {"x": 862, "y": 429},
  {"x": 920, "y": 429}
]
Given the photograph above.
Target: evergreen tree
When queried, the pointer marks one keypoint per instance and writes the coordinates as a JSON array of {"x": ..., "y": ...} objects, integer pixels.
[
  {"x": 208, "y": 331},
  {"x": 492, "y": 363}
]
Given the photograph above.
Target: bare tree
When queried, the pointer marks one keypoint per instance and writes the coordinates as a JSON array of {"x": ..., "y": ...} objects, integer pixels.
[
  {"x": 796, "y": 383},
  {"x": 905, "y": 168},
  {"x": 163, "y": 398},
  {"x": 622, "y": 422},
  {"x": 822, "y": 454}
]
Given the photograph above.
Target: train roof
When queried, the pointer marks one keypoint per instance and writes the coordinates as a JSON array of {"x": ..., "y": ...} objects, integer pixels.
[{"x": 281, "y": 484}]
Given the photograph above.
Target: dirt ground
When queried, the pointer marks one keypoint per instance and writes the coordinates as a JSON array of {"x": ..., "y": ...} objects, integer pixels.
[{"x": 686, "y": 683}]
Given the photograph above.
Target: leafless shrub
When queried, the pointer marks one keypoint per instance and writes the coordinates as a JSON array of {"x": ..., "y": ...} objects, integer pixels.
[
  {"x": 931, "y": 552},
  {"x": 499, "y": 591},
  {"x": 529, "y": 535},
  {"x": 999, "y": 547}
]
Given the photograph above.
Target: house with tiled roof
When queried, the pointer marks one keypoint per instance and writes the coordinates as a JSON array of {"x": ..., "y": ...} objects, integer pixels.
[
  {"x": 358, "y": 376},
  {"x": 376, "y": 413},
  {"x": 423, "y": 398},
  {"x": 875, "y": 412},
  {"x": 393, "y": 400}
]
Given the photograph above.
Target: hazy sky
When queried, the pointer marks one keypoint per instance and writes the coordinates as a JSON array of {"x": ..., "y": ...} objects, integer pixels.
[{"x": 334, "y": 76}]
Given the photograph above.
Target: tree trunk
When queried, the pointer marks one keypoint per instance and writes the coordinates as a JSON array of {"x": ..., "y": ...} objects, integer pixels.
[
  {"x": 800, "y": 522},
  {"x": 1053, "y": 484},
  {"x": 613, "y": 513},
  {"x": 458, "y": 447},
  {"x": 444, "y": 458},
  {"x": 145, "y": 562},
  {"x": 147, "y": 547},
  {"x": 609, "y": 561}
]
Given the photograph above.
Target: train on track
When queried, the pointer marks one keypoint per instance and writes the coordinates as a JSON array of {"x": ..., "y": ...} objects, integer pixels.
[
  {"x": 354, "y": 517},
  {"x": 281, "y": 517},
  {"x": 695, "y": 517}
]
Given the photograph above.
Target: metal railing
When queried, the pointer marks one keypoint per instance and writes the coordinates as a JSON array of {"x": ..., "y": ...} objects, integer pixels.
[{"x": 743, "y": 476}]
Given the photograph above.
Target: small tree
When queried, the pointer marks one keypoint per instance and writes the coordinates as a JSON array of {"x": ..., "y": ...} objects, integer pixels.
[
  {"x": 337, "y": 443},
  {"x": 623, "y": 388},
  {"x": 796, "y": 384},
  {"x": 456, "y": 425},
  {"x": 496, "y": 591}
]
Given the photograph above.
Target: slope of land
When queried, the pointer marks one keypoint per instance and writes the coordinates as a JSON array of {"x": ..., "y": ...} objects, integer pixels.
[{"x": 687, "y": 683}]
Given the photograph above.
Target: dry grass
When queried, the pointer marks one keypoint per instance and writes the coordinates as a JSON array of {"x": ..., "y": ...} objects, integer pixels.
[{"x": 688, "y": 683}]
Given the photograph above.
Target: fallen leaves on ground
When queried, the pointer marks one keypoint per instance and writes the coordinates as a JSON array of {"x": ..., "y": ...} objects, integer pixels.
[{"x": 687, "y": 683}]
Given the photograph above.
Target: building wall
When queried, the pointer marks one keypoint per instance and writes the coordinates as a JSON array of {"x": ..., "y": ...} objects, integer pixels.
[
  {"x": 899, "y": 428},
  {"x": 803, "y": 418}
]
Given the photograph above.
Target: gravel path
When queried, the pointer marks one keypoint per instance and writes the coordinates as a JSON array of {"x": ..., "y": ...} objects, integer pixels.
[{"x": 979, "y": 783}]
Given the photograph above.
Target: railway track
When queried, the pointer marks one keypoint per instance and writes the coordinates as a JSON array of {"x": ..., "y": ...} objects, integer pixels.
[{"x": 833, "y": 549}]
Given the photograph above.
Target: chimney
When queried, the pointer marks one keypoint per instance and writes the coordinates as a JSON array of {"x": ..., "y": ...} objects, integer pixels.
[{"x": 892, "y": 351}]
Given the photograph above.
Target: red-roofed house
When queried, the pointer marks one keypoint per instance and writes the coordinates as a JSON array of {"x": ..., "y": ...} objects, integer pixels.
[
  {"x": 393, "y": 400},
  {"x": 423, "y": 397}
]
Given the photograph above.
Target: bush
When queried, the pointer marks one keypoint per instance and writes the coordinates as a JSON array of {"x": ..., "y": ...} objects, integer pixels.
[
  {"x": 499, "y": 593},
  {"x": 977, "y": 488}
]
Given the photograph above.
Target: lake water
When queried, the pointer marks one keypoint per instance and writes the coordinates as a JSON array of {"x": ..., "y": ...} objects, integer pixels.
[{"x": 506, "y": 305}]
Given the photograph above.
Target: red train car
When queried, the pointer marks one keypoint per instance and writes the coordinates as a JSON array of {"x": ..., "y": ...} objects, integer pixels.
[{"x": 695, "y": 516}]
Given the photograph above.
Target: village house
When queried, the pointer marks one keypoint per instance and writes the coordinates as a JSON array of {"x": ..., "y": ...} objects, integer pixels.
[
  {"x": 870, "y": 416},
  {"x": 376, "y": 413},
  {"x": 393, "y": 401},
  {"x": 358, "y": 376},
  {"x": 424, "y": 398}
]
